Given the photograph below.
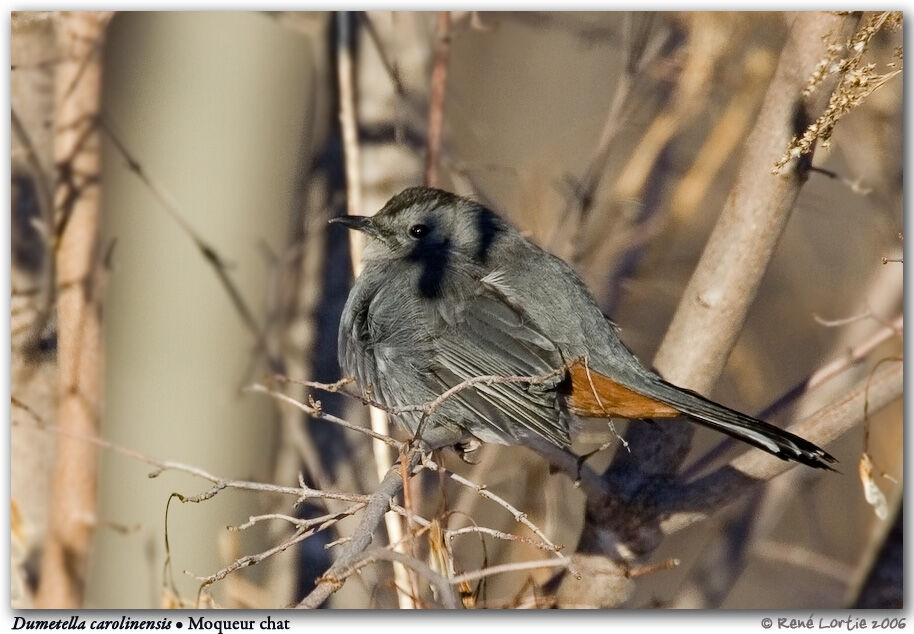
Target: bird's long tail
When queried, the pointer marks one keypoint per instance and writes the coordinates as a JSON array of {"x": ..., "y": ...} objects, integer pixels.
[
  {"x": 590, "y": 393},
  {"x": 758, "y": 433}
]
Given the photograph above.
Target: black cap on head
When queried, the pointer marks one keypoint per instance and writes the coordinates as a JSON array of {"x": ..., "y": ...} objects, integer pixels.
[{"x": 417, "y": 196}]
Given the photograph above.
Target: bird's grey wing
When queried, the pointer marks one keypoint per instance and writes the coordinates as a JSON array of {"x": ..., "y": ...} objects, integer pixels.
[{"x": 487, "y": 335}]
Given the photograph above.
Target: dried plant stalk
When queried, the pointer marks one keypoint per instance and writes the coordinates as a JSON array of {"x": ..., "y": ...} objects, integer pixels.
[
  {"x": 857, "y": 82},
  {"x": 76, "y": 152},
  {"x": 349, "y": 126}
]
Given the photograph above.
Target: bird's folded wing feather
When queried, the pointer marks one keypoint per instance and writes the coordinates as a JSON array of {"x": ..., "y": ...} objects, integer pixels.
[{"x": 489, "y": 336}]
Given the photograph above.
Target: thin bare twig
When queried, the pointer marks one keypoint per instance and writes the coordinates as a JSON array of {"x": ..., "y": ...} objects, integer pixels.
[
  {"x": 314, "y": 410},
  {"x": 326, "y": 387},
  {"x": 482, "y": 491},
  {"x": 490, "y": 379},
  {"x": 380, "y": 502},
  {"x": 210, "y": 255},
  {"x": 503, "y": 568},
  {"x": 349, "y": 129},
  {"x": 641, "y": 48},
  {"x": 407, "y": 542},
  {"x": 219, "y": 483},
  {"x": 452, "y": 533},
  {"x": 855, "y": 186},
  {"x": 828, "y": 371},
  {"x": 832, "y": 369},
  {"x": 426, "y": 408},
  {"x": 298, "y": 522},
  {"x": 304, "y": 528},
  {"x": 640, "y": 571},
  {"x": 390, "y": 67},
  {"x": 436, "y": 96},
  {"x": 372, "y": 516},
  {"x": 837, "y": 323},
  {"x": 391, "y": 484},
  {"x": 443, "y": 585},
  {"x": 511, "y": 567},
  {"x": 695, "y": 501},
  {"x": 249, "y": 560}
]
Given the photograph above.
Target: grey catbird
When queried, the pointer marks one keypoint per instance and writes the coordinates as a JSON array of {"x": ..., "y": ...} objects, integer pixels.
[{"x": 451, "y": 291}]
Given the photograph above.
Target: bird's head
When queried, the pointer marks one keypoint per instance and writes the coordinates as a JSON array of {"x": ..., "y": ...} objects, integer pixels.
[{"x": 421, "y": 223}]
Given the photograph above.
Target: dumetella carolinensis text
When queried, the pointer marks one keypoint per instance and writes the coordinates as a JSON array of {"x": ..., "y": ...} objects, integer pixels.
[{"x": 451, "y": 291}]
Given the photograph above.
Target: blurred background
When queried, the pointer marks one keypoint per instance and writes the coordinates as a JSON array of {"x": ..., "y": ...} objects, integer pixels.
[{"x": 612, "y": 139}]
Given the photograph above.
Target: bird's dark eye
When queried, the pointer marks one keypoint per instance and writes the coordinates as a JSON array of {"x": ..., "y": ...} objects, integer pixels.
[{"x": 418, "y": 231}]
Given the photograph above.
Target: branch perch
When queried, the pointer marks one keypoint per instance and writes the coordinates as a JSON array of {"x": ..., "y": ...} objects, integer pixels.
[{"x": 717, "y": 299}]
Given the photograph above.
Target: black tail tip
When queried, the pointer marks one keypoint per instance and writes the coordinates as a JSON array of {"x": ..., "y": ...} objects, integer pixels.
[{"x": 816, "y": 458}]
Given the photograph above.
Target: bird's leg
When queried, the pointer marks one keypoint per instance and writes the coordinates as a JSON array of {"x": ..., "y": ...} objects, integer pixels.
[
  {"x": 468, "y": 450},
  {"x": 438, "y": 437}
]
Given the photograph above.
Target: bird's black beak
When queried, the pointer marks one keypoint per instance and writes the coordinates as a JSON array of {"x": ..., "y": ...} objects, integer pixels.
[{"x": 359, "y": 223}]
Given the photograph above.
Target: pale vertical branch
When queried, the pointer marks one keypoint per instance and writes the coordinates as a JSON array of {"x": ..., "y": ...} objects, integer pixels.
[
  {"x": 717, "y": 298},
  {"x": 436, "y": 97},
  {"x": 349, "y": 127},
  {"x": 77, "y": 205}
]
